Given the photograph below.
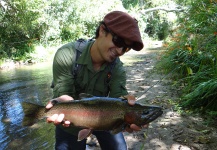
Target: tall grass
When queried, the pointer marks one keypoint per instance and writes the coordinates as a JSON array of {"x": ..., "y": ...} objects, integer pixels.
[
  {"x": 203, "y": 97},
  {"x": 192, "y": 51}
]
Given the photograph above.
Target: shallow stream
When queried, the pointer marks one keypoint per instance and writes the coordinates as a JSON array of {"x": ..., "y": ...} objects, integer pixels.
[{"x": 31, "y": 84}]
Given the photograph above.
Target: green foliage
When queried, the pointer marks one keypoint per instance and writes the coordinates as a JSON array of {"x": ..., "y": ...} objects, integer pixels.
[
  {"x": 18, "y": 27},
  {"x": 203, "y": 97},
  {"x": 72, "y": 19},
  {"x": 157, "y": 23},
  {"x": 26, "y": 23},
  {"x": 130, "y": 3},
  {"x": 157, "y": 26},
  {"x": 192, "y": 51}
]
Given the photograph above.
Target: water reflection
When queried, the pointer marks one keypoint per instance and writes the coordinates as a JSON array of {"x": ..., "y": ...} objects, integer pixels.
[{"x": 27, "y": 83}]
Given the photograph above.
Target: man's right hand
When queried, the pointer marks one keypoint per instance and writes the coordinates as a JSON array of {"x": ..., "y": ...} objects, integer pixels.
[{"x": 58, "y": 118}]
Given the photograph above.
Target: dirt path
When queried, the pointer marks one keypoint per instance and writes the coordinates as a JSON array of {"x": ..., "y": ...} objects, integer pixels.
[{"x": 171, "y": 131}]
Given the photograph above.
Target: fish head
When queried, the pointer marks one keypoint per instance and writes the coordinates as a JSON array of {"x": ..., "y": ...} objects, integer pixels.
[{"x": 143, "y": 115}]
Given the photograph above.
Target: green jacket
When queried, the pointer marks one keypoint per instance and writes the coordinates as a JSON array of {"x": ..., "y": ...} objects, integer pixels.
[{"x": 87, "y": 80}]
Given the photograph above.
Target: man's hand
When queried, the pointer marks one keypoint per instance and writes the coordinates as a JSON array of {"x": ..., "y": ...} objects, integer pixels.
[
  {"x": 58, "y": 118},
  {"x": 131, "y": 100}
]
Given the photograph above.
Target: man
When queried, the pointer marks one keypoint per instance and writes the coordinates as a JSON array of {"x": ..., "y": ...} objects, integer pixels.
[{"x": 116, "y": 34}]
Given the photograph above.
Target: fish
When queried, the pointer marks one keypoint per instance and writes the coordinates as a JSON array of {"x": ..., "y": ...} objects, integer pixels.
[{"x": 94, "y": 113}]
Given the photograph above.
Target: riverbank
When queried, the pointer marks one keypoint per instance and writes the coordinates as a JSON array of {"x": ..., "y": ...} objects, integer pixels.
[
  {"x": 172, "y": 131},
  {"x": 40, "y": 55},
  {"x": 10, "y": 64}
]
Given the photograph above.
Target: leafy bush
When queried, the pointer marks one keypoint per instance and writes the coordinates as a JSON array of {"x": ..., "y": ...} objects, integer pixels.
[
  {"x": 192, "y": 51},
  {"x": 28, "y": 23},
  {"x": 157, "y": 26},
  {"x": 19, "y": 28},
  {"x": 203, "y": 97}
]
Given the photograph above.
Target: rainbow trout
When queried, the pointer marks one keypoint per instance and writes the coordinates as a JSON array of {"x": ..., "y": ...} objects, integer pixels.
[{"x": 96, "y": 113}]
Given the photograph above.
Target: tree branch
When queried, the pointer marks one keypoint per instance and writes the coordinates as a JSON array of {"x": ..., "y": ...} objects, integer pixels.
[{"x": 167, "y": 9}]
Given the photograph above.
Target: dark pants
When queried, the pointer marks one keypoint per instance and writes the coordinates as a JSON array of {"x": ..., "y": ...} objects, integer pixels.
[{"x": 107, "y": 141}]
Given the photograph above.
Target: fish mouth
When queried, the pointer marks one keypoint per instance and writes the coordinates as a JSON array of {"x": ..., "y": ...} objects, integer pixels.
[{"x": 153, "y": 115}]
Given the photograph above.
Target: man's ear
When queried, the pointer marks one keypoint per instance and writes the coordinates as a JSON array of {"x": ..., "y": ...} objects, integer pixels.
[{"x": 102, "y": 30}]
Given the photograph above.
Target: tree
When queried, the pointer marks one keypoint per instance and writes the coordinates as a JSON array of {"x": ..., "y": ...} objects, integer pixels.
[
  {"x": 18, "y": 28},
  {"x": 28, "y": 22}
]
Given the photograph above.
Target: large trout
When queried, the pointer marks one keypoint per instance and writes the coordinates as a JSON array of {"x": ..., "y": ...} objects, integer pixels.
[{"x": 96, "y": 113}]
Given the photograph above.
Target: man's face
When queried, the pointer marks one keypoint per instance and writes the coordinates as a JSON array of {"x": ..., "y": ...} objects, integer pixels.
[{"x": 111, "y": 46}]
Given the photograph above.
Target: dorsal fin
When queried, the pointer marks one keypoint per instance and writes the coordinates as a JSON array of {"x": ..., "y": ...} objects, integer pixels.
[{"x": 85, "y": 95}]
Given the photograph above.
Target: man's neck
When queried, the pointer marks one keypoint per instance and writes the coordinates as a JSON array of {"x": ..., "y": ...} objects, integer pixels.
[{"x": 96, "y": 58}]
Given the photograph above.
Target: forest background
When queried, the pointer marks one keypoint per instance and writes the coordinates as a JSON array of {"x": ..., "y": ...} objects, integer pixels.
[{"x": 30, "y": 31}]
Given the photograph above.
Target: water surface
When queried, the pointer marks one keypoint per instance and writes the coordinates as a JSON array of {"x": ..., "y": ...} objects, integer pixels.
[{"x": 31, "y": 84}]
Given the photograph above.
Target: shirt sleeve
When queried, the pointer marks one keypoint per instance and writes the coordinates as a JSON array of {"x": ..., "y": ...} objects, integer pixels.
[
  {"x": 118, "y": 81},
  {"x": 63, "y": 78}
]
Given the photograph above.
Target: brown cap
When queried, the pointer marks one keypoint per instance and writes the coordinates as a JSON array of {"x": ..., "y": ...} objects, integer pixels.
[{"x": 124, "y": 26}]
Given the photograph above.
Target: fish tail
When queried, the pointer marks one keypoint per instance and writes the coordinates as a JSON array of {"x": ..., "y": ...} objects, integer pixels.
[{"x": 32, "y": 112}]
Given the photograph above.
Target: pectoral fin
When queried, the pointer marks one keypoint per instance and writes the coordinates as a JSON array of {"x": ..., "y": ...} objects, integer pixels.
[
  {"x": 84, "y": 133},
  {"x": 118, "y": 128}
]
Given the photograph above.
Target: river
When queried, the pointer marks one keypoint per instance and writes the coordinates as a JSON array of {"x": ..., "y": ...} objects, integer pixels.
[{"x": 31, "y": 84}]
